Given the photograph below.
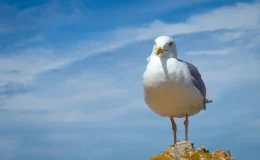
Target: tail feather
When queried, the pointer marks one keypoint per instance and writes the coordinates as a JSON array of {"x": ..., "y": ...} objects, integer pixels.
[{"x": 205, "y": 102}]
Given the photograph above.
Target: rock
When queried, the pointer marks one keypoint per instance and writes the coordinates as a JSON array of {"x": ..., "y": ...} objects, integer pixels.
[
  {"x": 184, "y": 150},
  {"x": 161, "y": 157},
  {"x": 202, "y": 149},
  {"x": 219, "y": 153},
  {"x": 180, "y": 148}
]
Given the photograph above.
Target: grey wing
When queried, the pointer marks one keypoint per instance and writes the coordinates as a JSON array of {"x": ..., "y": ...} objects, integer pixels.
[{"x": 197, "y": 80}]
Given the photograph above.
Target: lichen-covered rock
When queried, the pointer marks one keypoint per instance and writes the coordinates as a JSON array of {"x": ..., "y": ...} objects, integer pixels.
[
  {"x": 195, "y": 155},
  {"x": 161, "y": 157},
  {"x": 220, "y": 154},
  {"x": 180, "y": 148},
  {"x": 202, "y": 149},
  {"x": 184, "y": 150}
]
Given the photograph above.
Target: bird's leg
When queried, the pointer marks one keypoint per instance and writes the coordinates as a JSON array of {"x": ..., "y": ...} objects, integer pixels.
[
  {"x": 186, "y": 123},
  {"x": 174, "y": 129}
]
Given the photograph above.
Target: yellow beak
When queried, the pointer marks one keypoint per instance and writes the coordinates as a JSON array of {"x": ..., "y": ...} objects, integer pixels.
[{"x": 158, "y": 50}]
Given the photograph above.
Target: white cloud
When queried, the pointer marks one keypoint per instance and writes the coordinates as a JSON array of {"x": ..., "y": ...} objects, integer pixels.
[
  {"x": 224, "y": 73},
  {"x": 241, "y": 15},
  {"x": 226, "y": 78},
  {"x": 31, "y": 62},
  {"x": 221, "y": 52},
  {"x": 72, "y": 103},
  {"x": 71, "y": 91},
  {"x": 39, "y": 16},
  {"x": 228, "y": 36},
  {"x": 26, "y": 64},
  {"x": 23, "y": 68},
  {"x": 78, "y": 99}
]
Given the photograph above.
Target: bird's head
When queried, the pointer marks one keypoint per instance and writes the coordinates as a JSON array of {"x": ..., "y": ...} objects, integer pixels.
[{"x": 164, "y": 46}]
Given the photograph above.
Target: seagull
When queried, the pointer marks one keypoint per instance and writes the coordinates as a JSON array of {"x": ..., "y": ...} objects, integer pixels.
[{"x": 172, "y": 87}]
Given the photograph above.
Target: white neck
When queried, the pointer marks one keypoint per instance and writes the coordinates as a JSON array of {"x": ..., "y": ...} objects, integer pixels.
[{"x": 169, "y": 55}]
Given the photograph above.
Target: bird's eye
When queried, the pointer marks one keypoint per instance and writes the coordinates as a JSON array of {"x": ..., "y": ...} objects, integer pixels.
[
  {"x": 170, "y": 44},
  {"x": 155, "y": 44}
]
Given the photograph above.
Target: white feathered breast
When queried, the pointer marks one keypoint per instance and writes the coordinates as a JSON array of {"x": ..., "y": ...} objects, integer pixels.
[{"x": 169, "y": 90}]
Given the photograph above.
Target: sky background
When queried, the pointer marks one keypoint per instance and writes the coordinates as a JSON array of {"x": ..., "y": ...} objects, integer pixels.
[{"x": 71, "y": 71}]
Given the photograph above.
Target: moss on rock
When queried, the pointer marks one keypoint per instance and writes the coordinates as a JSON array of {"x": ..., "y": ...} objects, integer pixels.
[
  {"x": 184, "y": 150},
  {"x": 162, "y": 157},
  {"x": 168, "y": 150},
  {"x": 195, "y": 155}
]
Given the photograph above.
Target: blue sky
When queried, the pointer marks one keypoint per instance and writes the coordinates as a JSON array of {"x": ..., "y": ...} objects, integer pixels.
[{"x": 70, "y": 77}]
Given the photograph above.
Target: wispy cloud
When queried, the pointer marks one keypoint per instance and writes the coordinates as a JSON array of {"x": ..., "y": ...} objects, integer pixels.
[
  {"x": 46, "y": 15},
  {"x": 73, "y": 90},
  {"x": 69, "y": 99},
  {"x": 221, "y": 52},
  {"x": 233, "y": 65},
  {"x": 23, "y": 69},
  {"x": 230, "y": 75},
  {"x": 240, "y": 16},
  {"x": 29, "y": 41},
  {"x": 245, "y": 15},
  {"x": 229, "y": 36}
]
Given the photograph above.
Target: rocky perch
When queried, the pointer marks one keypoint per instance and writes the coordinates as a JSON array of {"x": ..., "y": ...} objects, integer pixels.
[{"x": 184, "y": 150}]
